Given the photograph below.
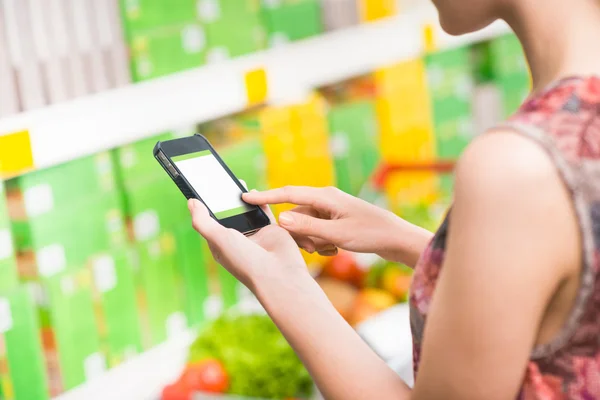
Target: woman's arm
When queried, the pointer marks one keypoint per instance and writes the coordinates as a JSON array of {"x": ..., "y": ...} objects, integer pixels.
[
  {"x": 513, "y": 240},
  {"x": 341, "y": 363},
  {"x": 327, "y": 217}
]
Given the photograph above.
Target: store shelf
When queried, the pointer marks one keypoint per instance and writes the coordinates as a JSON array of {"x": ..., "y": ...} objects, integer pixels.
[
  {"x": 141, "y": 378},
  {"x": 66, "y": 131}
]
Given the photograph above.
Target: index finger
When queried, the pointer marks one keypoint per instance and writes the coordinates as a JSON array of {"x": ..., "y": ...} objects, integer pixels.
[{"x": 300, "y": 195}]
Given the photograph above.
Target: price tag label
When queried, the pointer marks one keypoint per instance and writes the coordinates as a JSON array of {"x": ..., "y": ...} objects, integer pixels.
[
  {"x": 429, "y": 38},
  {"x": 15, "y": 153},
  {"x": 256, "y": 86}
]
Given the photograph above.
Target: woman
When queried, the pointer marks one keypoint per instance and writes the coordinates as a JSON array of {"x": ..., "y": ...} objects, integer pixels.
[{"x": 505, "y": 300}]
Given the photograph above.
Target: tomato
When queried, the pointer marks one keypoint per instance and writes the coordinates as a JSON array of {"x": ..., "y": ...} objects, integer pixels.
[
  {"x": 206, "y": 376},
  {"x": 176, "y": 391},
  {"x": 344, "y": 268}
]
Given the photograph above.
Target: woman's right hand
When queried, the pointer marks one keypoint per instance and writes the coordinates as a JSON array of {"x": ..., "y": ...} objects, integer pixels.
[{"x": 327, "y": 218}]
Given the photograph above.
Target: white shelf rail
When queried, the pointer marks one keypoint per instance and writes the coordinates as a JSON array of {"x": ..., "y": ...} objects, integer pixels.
[{"x": 66, "y": 131}]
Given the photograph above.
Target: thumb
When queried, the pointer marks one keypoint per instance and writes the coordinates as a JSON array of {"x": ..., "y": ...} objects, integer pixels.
[
  {"x": 204, "y": 224},
  {"x": 306, "y": 225}
]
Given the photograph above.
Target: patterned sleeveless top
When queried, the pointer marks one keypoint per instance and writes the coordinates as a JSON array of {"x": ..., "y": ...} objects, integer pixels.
[{"x": 565, "y": 120}]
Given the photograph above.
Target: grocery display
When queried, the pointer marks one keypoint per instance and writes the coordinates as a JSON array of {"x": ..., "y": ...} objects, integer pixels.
[
  {"x": 99, "y": 263},
  {"x": 234, "y": 344}
]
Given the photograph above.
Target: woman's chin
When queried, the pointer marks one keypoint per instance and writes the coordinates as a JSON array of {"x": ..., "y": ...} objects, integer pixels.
[{"x": 456, "y": 28}]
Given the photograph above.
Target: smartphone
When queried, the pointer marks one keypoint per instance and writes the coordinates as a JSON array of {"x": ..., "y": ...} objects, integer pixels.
[{"x": 200, "y": 173}]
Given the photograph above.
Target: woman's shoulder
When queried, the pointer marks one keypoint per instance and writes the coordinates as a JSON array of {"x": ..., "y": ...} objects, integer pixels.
[{"x": 565, "y": 117}]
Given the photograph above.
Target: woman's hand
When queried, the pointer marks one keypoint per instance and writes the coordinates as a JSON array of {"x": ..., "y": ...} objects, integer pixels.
[
  {"x": 270, "y": 251},
  {"x": 327, "y": 218}
]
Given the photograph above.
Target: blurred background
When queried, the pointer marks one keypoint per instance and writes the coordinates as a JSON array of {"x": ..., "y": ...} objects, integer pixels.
[{"x": 105, "y": 289}]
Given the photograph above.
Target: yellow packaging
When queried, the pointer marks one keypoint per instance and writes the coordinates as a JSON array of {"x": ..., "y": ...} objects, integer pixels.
[
  {"x": 421, "y": 187},
  {"x": 404, "y": 113},
  {"x": 371, "y": 10}
]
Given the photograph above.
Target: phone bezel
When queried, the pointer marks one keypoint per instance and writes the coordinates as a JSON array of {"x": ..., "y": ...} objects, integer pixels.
[{"x": 247, "y": 223}]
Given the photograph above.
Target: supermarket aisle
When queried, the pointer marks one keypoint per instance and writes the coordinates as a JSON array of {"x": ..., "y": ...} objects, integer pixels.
[{"x": 104, "y": 285}]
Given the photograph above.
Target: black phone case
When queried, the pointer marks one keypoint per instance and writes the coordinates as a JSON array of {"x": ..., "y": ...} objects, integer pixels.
[{"x": 183, "y": 185}]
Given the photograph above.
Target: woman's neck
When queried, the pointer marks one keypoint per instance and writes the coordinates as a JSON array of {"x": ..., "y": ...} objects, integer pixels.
[{"x": 559, "y": 37}]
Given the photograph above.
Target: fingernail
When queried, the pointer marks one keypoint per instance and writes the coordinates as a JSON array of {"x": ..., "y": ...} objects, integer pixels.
[
  {"x": 329, "y": 247},
  {"x": 190, "y": 204},
  {"x": 286, "y": 219}
]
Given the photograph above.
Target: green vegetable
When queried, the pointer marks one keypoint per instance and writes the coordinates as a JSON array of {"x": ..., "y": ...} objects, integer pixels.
[{"x": 257, "y": 358}]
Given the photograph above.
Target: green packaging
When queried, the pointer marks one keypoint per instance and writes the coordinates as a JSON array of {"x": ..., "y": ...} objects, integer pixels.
[
  {"x": 166, "y": 50},
  {"x": 143, "y": 15},
  {"x": 191, "y": 261},
  {"x": 135, "y": 163},
  {"x": 355, "y": 143},
  {"x": 246, "y": 159},
  {"x": 115, "y": 304},
  {"x": 514, "y": 91},
  {"x": 159, "y": 290},
  {"x": 155, "y": 208},
  {"x": 291, "y": 20},
  {"x": 233, "y": 27},
  {"x": 43, "y": 191},
  {"x": 4, "y": 216},
  {"x": 451, "y": 86},
  {"x": 46, "y": 247},
  {"x": 9, "y": 278},
  {"x": 68, "y": 324},
  {"x": 23, "y": 374},
  {"x": 503, "y": 62}
]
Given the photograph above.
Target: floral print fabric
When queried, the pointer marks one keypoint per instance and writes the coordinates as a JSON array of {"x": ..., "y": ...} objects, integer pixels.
[{"x": 565, "y": 120}]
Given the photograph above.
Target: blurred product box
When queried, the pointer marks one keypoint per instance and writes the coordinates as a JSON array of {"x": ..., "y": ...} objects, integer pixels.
[
  {"x": 23, "y": 58},
  {"x": 404, "y": 113},
  {"x": 152, "y": 202},
  {"x": 115, "y": 305},
  {"x": 116, "y": 49},
  {"x": 192, "y": 259},
  {"x": 9, "y": 278},
  {"x": 69, "y": 331},
  {"x": 291, "y": 20},
  {"x": 9, "y": 101},
  {"x": 371, "y": 10},
  {"x": 58, "y": 226},
  {"x": 23, "y": 373},
  {"x": 8, "y": 265},
  {"x": 354, "y": 143},
  {"x": 98, "y": 17},
  {"x": 246, "y": 159},
  {"x": 68, "y": 237},
  {"x": 451, "y": 88},
  {"x": 515, "y": 91},
  {"x": 233, "y": 27},
  {"x": 296, "y": 144},
  {"x": 49, "y": 48},
  {"x": 159, "y": 290},
  {"x": 135, "y": 164},
  {"x": 145, "y": 15},
  {"x": 154, "y": 208},
  {"x": 64, "y": 19},
  {"x": 409, "y": 188},
  {"x": 339, "y": 14},
  {"x": 407, "y": 135},
  {"x": 83, "y": 48},
  {"x": 167, "y": 50},
  {"x": 42, "y": 191},
  {"x": 502, "y": 62}
]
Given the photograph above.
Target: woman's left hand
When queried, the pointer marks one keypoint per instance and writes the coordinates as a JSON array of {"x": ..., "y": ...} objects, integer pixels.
[{"x": 270, "y": 252}]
